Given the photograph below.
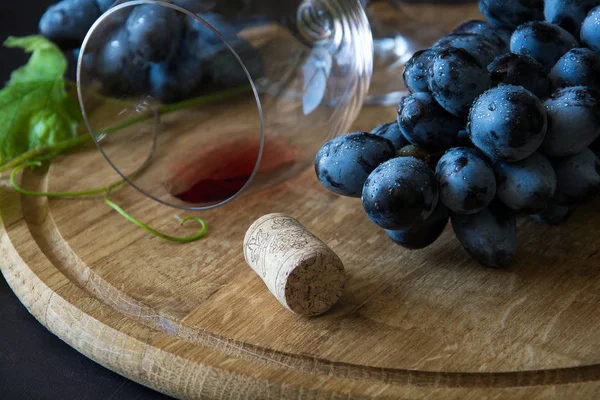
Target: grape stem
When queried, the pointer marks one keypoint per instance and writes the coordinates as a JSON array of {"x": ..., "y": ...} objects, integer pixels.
[
  {"x": 91, "y": 192},
  {"x": 34, "y": 157},
  {"x": 153, "y": 231},
  {"x": 72, "y": 88},
  {"x": 106, "y": 191},
  {"x": 71, "y": 143},
  {"x": 419, "y": 152}
]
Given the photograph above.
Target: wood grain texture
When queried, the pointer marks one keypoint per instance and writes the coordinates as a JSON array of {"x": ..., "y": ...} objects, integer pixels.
[{"x": 194, "y": 321}]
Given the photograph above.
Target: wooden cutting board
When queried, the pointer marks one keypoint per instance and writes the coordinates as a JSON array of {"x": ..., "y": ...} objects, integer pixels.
[{"x": 194, "y": 321}]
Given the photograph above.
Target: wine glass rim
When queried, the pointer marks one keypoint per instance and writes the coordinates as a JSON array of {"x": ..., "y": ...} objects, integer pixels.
[{"x": 97, "y": 139}]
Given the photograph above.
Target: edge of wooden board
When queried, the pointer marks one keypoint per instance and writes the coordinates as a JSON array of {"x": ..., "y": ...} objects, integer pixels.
[{"x": 184, "y": 369}]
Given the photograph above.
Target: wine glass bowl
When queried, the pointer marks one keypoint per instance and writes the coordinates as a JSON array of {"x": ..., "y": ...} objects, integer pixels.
[{"x": 195, "y": 115}]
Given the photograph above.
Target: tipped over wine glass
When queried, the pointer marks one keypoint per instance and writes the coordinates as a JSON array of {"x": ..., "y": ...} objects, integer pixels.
[{"x": 195, "y": 106}]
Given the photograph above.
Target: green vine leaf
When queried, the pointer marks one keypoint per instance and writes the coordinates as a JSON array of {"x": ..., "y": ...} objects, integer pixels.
[
  {"x": 47, "y": 62},
  {"x": 35, "y": 108},
  {"x": 39, "y": 120}
]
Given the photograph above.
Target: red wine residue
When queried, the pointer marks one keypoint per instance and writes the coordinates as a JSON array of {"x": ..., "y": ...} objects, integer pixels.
[{"x": 214, "y": 175}]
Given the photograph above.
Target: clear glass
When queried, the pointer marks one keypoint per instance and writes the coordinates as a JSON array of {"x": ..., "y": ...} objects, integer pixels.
[
  {"x": 226, "y": 100},
  {"x": 396, "y": 37}
]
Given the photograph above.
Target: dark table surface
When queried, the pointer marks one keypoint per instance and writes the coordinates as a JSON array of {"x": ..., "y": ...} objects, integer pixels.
[{"x": 35, "y": 364}]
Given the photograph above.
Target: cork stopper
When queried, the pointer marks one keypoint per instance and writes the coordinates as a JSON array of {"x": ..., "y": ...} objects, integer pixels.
[{"x": 305, "y": 275}]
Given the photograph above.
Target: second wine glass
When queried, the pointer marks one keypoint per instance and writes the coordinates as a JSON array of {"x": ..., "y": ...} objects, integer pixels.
[{"x": 396, "y": 37}]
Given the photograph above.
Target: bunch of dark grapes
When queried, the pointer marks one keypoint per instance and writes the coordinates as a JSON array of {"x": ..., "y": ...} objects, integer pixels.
[
  {"x": 151, "y": 49},
  {"x": 503, "y": 118}
]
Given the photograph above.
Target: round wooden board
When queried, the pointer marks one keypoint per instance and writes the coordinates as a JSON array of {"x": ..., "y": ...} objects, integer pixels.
[{"x": 194, "y": 321}]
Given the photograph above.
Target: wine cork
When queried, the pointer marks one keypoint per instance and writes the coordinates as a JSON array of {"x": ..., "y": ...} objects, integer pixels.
[{"x": 305, "y": 275}]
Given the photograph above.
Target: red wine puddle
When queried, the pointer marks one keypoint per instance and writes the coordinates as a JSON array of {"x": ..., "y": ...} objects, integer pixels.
[{"x": 216, "y": 174}]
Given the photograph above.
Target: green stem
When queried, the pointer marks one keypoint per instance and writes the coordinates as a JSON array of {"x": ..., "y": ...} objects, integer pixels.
[
  {"x": 79, "y": 140},
  {"x": 38, "y": 151},
  {"x": 110, "y": 100},
  {"x": 106, "y": 191},
  {"x": 91, "y": 192},
  {"x": 137, "y": 222}
]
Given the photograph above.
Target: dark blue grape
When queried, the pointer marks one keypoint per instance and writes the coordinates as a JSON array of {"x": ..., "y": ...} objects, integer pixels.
[
  {"x": 391, "y": 131},
  {"x": 225, "y": 68},
  {"x": 120, "y": 71},
  {"x": 426, "y": 233},
  {"x": 88, "y": 64},
  {"x": 217, "y": 22},
  {"x": 578, "y": 178},
  {"x": 477, "y": 46},
  {"x": 578, "y": 67},
  {"x": 520, "y": 70},
  {"x": 573, "y": 120},
  {"x": 69, "y": 20},
  {"x": 154, "y": 32},
  {"x": 466, "y": 180},
  {"x": 499, "y": 39},
  {"x": 463, "y": 139},
  {"x": 423, "y": 122},
  {"x": 166, "y": 83},
  {"x": 512, "y": 13},
  {"x": 416, "y": 71},
  {"x": 507, "y": 123},
  {"x": 505, "y": 34},
  {"x": 543, "y": 41},
  {"x": 115, "y": 21},
  {"x": 221, "y": 64},
  {"x": 105, "y": 5},
  {"x": 196, "y": 6},
  {"x": 180, "y": 78},
  {"x": 193, "y": 6},
  {"x": 527, "y": 185},
  {"x": 400, "y": 194},
  {"x": 344, "y": 163},
  {"x": 490, "y": 236},
  {"x": 175, "y": 81},
  {"x": 568, "y": 14},
  {"x": 590, "y": 30},
  {"x": 553, "y": 214},
  {"x": 456, "y": 79}
]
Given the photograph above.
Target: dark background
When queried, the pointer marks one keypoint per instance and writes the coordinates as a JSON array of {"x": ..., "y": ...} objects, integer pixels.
[{"x": 35, "y": 364}]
